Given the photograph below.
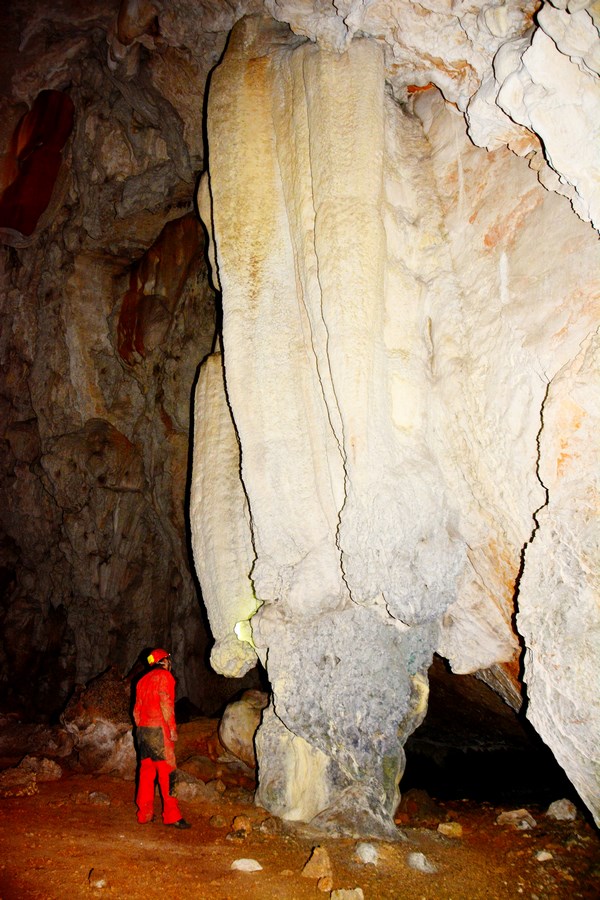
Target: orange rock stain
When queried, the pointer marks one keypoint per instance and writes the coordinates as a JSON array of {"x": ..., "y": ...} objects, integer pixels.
[{"x": 509, "y": 225}]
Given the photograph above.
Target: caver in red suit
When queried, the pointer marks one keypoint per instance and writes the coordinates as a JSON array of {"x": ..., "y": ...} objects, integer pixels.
[{"x": 156, "y": 733}]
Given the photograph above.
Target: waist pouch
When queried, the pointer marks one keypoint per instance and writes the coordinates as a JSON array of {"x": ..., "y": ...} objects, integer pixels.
[{"x": 151, "y": 743}]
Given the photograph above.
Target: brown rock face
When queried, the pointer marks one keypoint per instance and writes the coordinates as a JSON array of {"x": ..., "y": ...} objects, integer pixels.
[
  {"x": 95, "y": 460},
  {"x": 108, "y": 313}
]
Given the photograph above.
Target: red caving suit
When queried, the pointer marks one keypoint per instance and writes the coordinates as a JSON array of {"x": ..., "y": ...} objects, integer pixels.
[{"x": 154, "y": 716}]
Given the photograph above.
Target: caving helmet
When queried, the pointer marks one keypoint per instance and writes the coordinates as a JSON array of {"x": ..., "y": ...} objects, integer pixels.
[{"x": 157, "y": 655}]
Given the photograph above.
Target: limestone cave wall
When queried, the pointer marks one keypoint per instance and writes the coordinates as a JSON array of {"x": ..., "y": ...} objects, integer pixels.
[{"x": 106, "y": 314}]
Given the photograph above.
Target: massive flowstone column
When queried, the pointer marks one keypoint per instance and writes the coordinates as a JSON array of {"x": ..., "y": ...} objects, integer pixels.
[
  {"x": 397, "y": 364},
  {"x": 326, "y": 363}
]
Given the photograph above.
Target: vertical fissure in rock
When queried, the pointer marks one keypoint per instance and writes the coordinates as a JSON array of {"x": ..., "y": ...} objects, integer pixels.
[{"x": 535, "y": 513}]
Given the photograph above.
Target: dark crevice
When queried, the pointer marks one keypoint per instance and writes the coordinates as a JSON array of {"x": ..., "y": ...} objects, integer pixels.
[{"x": 527, "y": 543}]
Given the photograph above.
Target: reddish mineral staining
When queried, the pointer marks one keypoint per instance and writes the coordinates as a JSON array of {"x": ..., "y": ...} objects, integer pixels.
[
  {"x": 34, "y": 160},
  {"x": 419, "y": 88},
  {"x": 155, "y": 285}
]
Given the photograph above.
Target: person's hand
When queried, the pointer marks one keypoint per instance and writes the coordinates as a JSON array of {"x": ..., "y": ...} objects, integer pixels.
[{"x": 173, "y": 734}]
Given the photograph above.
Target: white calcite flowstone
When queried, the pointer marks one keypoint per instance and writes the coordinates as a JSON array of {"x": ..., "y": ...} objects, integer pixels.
[
  {"x": 526, "y": 74},
  {"x": 290, "y": 460},
  {"x": 342, "y": 499},
  {"x": 420, "y": 42},
  {"x": 325, "y": 326},
  {"x": 220, "y": 529},
  {"x": 547, "y": 86},
  {"x": 522, "y": 388},
  {"x": 497, "y": 337},
  {"x": 399, "y": 307}
]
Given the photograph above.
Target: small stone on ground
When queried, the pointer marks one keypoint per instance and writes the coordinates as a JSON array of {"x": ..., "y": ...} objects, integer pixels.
[
  {"x": 520, "y": 818},
  {"x": 562, "y": 810},
  {"x": 420, "y": 862},
  {"x": 246, "y": 865}
]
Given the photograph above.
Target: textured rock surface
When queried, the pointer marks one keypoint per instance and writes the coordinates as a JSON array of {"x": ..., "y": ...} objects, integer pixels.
[
  {"x": 421, "y": 43},
  {"x": 542, "y": 308},
  {"x": 99, "y": 352},
  {"x": 333, "y": 754},
  {"x": 97, "y": 718},
  {"x": 526, "y": 374},
  {"x": 239, "y": 723},
  {"x": 561, "y": 582},
  {"x": 546, "y": 86},
  {"x": 517, "y": 69}
]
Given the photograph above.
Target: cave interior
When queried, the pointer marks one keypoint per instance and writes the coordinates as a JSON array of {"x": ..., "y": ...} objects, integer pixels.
[{"x": 299, "y": 329}]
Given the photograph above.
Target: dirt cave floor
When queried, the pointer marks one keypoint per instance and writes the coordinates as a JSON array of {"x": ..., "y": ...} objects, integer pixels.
[{"x": 78, "y": 837}]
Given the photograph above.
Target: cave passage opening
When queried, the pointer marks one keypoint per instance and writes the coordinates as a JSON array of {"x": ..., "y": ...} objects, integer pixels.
[{"x": 474, "y": 746}]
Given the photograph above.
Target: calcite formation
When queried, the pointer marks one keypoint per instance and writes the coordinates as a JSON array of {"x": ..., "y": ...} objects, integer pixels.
[
  {"x": 561, "y": 582},
  {"x": 329, "y": 475},
  {"x": 220, "y": 525},
  {"x": 529, "y": 409},
  {"x": 389, "y": 349},
  {"x": 511, "y": 106}
]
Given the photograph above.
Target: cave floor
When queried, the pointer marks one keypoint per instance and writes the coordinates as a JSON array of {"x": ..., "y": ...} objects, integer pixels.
[{"x": 78, "y": 837}]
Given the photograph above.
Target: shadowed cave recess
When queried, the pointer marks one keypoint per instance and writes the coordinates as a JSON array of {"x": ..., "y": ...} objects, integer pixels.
[{"x": 299, "y": 363}]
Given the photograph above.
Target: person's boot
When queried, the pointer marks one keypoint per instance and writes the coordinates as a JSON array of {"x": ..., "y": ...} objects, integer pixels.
[{"x": 181, "y": 823}]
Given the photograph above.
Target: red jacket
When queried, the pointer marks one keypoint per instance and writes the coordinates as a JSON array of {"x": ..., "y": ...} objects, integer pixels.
[{"x": 155, "y": 701}]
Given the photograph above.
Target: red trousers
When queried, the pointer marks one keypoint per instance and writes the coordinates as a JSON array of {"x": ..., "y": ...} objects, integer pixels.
[{"x": 149, "y": 770}]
